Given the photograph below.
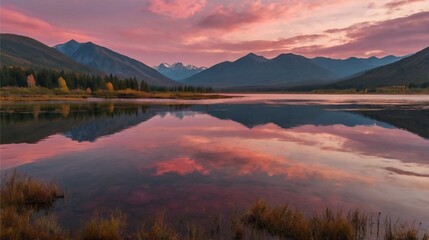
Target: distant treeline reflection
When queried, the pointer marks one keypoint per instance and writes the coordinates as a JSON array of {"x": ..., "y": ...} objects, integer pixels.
[
  {"x": 80, "y": 122},
  {"x": 18, "y": 113}
]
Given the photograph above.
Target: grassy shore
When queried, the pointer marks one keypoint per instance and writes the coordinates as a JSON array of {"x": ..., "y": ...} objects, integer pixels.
[
  {"x": 14, "y": 94},
  {"x": 22, "y": 197}
]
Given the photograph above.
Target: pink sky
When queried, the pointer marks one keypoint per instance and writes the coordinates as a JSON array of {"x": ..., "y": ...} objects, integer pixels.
[{"x": 205, "y": 32}]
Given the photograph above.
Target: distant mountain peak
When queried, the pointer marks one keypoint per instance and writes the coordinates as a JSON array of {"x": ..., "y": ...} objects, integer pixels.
[
  {"x": 72, "y": 41},
  {"x": 178, "y": 71},
  {"x": 163, "y": 65},
  {"x": 69, "y": 47},
  {"x": 252, "y": 57},
  {"x": 178, "y": 65},
  {"x": 288, "y": 56}
]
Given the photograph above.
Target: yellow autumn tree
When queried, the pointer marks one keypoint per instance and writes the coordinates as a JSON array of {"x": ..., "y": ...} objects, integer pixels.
[
  {"x": 62, "y": 84},
  {"x": 31, "y": 81},
  {"x": 109, "y": 86}
]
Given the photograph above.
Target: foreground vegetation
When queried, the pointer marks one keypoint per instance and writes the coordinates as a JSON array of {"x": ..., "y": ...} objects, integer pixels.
[{"x": 22, "y": 197}]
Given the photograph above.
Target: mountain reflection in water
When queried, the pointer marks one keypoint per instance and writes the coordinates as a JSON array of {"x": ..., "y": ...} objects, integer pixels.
[{"x": 198, "y": 158}]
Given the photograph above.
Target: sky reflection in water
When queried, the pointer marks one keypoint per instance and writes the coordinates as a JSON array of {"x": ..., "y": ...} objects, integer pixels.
[{"x": 197, "y": 158}]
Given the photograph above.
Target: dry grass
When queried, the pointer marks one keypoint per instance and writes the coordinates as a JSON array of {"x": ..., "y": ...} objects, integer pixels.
[
  {"x": 281, "y": 222},
  {"x": 157, "y": 230},
  {"x": 332, "y": 225},
  {"x": 402, "y": 231},
  {"x": 105, "y": 227},
  {"x": 16, "y": 94},
  {"x": 129, "y": 93},
  {"x": 19, "y": 224},
  {"x": 286, "y": 223},
  {"x": 23, "y": 191}
]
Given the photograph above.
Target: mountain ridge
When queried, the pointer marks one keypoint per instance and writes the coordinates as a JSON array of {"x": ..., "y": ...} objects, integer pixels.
[
  {"x": 111, "y": 62},
  {"x": 285, "y": 70},
  {"x": 347, "y": 67},
  {"x": 412, "y": 69},
  {"x": 22, "y": 51},
  {"x": 254, "y": 70}
]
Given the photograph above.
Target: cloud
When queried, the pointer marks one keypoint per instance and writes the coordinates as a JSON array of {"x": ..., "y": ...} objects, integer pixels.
[
  {"x": 247, "y": 13},
  {"x": 16, "y": 22},
  {"x": 230, "y": 17},
  {"x": 265, "y": 45},
  {"x": 176, "y": 8},
  {"x": 182, "y": 166},
  {"x": 225, "y": 18},
  {"x": 399, "y": 3},
  {"x": 406, "y": 173},
  {"x": 400, "y": 36}
]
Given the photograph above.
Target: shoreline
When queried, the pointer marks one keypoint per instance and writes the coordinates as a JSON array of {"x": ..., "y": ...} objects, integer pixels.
[{"x": 8, "y": 95}]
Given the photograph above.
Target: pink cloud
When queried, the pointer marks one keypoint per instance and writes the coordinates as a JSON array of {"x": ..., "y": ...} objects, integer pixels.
[
  {"x": 176, "y": 8},
  {"x": 16, "y": 22},
  {"x": 263, "y": 45},
  {"x": 399, "y": 36},
  {"x": 182, "y": 166},
  {"x": 20, "y": 154},
  {"x": 229, "y": 18}
]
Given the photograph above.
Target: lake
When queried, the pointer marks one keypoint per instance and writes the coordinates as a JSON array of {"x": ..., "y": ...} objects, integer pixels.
[{"x": 193, "y": 158}]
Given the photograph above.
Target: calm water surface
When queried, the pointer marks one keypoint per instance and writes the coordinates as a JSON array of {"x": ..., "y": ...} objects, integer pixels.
[{"x": 197, "y": 157}]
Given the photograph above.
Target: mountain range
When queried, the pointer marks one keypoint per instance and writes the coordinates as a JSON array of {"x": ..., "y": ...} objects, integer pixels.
[
  {"x": 250, "y": 72},
  {"x": 29, "y": 53},
  {"x": 178, "y": 71},
  {"x": 350, "y": 66},
  {"x": 254, "y": 70},
  {"x": 111, "y": 62},
  {"x": 284, "y": 71}
]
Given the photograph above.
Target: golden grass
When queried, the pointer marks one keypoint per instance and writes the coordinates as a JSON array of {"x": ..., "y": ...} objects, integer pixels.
[
  {"x": 101, "y": 227},
  {"x": 286, "y": 223},
  {"x": 23, "y": 191},
  {"x": 158, "y": 230},
  {"x": 402, "y": 232},
  {"x": 16, "y": 94},
  {"x": 281, "y": 221},
  {"x": 129, "y": 93},
  {"x": 18, "y": 224}
]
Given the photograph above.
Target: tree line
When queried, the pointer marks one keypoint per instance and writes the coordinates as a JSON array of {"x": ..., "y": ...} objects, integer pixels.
[{"x": 49, "y": 78}]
